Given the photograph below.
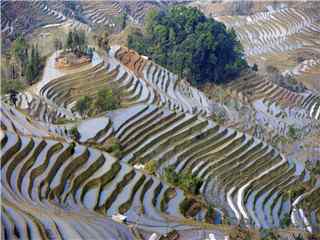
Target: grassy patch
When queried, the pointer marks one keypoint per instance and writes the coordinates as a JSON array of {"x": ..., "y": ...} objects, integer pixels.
[
  {"x": 7, "y": 85},
  {"x": 185, "y": 181}
]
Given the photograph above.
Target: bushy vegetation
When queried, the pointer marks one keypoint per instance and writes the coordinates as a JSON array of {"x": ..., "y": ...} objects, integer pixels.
[
  {"x": 186, "y": 182},
  {"x": 218, "y": 118},
  {"x": 22, "y": 65},
  {"x": 114, "y": 144},
  {"x": 293, "y": 132},
  {"x": 72, "y": 147},
  {"x": 189, "y": 207},
  {"x": 57, "y": 43},
  {"x": 314, "y": 168},
  {"x": 83, "y": 105},
  {"x": 151, "y": 167},
  {"x": 7, "y": 85},
  {"x": 287, "y": 81},
  {"x": 114, "y": 147},
  {"x": 34, "y": 65},
  {"x": 210, "y": 215},
  {"x": 285, "y": 221},
  {"x": 296, "y": 191},
  {"x": 107, "y": 99},
  {"x": 189, "y": 44},
  {"x": 121, "y": 20},
  {"x": 75, "y": 135},
  {"x": 76, "y": 42},
  {"x": 102, "y": 40},
  {"x": 240, "y": 234},
  {"x": 267, "y": 234}
]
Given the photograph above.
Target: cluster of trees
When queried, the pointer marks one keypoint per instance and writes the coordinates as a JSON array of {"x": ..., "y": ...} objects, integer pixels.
[
  {"x": 7, "y": 85},
  {"x": 293, "y": 133},
  {"x": 102, "y": 40},
  {"x": 34, "y": 65},
  {"x": 57, "y": 44},
  {"x": 106, "y": 100},
  {"x": 285, "y": 221},
  {"x": 77, "y": 43},
  {"x": 76, "y": 40},
  {"x": 25, "y": 62},
  {"x": 191, "y": 45},
  {"x": 121, "y": 20},
  {"x": 186, "y": 182},
  {"x": 287, "y": 81}
]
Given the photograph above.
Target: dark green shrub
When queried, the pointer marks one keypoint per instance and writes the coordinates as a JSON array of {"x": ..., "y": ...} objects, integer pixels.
[
  {"x": 75, "y": 135},
  {"x": 267, "y": 234},
  {"x": 285, "y": 221},
  {"x": 106, "y": 100},
  {"x": 151, "y": 167},
  {"x": 186, "y": 182},
  {"x": 8, "y": 85},
  {"x": 293, "y": 132},
  {"x": 72, "y": 147},
  {"x": 83, "y": 105},
  {"x": 185, "y": 205},
  {"x": 255, "y": 67}
]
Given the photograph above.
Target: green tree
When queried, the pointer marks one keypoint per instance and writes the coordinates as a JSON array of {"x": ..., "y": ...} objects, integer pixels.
[
  {"x": 292, "y": 132},
  {"x": 37, "y": 60},
  {"x": 30, "y": 73},
  {"x": 124, "y": 20},
  {"x": 57, "y": 44},
  {"x": 82, "y": 40},
  {"x": 83, "y": 105},
  {"x": 106, "y": 100},
  {"x": 19, "y": 48},
  {"x": 103, "y": 40},
  {"x": 8, "y": 85},
  {"x": 19, "y": 52},
  {"x": 189, "y": 44},
  {"x": 185, "y": 181},
  {"x": 69, "y": 41},
  {"x": 171, "y": 175},
  {"x": 285, "y": 221},
  {"x": 33, "y": 56},
  {"x": 33, "y": 66},
  {"x": 75, "y": 135}
]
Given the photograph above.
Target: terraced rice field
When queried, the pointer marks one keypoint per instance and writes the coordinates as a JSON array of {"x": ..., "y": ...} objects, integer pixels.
[
  {"x": 276, "y": 31},
  {"x": 56, "y": 187},
  {"x": 163, "y": 120},
  {"x": 279, "y": 38},
  {"x": 103, "y": 13},
  {"x": 98, "y": 12},
  {"x": 216, "y": 155},
  {"x": 73, "y": 178},
  {"x": 28, "y": 165},
  {"x": 253, "y": 88},
  {"x": 42, "y": 14},
  {"x": 157, "y": 85}
]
